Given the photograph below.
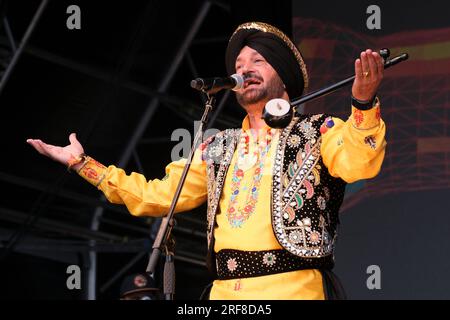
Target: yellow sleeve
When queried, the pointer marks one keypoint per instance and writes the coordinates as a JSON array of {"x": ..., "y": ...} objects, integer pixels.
[
  {"x": 153, "y": 197},
  {"x": 354, "y": 149}
]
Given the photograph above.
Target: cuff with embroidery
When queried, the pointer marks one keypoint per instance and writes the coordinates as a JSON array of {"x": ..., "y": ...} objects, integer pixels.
[
  {"x": 366, "y": 119},
  {"x": 92, "y": 171}
]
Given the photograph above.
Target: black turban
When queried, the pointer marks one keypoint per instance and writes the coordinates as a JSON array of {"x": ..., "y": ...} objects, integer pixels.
[{"x": 276, "y": 48}]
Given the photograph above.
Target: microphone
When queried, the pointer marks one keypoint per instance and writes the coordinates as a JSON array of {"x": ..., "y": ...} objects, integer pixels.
[{"x": 213, "y": 85}]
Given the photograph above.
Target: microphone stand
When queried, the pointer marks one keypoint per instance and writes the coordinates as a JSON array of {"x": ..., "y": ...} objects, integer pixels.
[
  {"x": 281, "y": 121},
  {"x": 168, "y": 222}
]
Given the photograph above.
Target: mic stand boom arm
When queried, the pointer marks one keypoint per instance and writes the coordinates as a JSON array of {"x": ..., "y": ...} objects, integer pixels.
[{"x": 327, "y": 90}]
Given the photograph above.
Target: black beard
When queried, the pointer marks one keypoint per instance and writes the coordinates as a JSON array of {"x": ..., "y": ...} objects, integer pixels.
[
  {"x": 252, "y": 96},
  {"x": 274, "y": 89}
]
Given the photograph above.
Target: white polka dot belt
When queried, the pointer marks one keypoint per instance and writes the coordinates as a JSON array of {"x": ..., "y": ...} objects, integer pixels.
[{"x": 235, "y": 264}]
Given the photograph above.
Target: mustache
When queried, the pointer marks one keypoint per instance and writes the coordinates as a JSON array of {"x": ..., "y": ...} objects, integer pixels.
[{"x": 252, "y": 75}]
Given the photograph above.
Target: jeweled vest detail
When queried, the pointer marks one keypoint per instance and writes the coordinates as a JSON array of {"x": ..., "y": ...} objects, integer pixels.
[{"x": 305, "y": 198}]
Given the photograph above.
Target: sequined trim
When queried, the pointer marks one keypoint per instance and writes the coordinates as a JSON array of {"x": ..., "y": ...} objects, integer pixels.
[
  {"x": 237, "y": 264},
  {"x": 216, "y": 176},
  {"x": 294, "y": 181}
]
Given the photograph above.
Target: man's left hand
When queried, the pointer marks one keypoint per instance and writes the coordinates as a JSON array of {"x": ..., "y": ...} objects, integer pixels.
[{"x": 369, "y": 73}]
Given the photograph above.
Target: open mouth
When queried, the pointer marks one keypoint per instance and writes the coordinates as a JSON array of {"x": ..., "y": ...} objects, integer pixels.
[{"x": 251, "y": 82}]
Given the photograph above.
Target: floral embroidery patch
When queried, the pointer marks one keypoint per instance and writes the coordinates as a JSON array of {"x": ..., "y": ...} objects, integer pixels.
[
  {"x": 311, "y": 134},
  {"x": 358, "y": 116},
  {"x": 308, "y": 130},
  {"x": 314, "y": 238},
  {"x": 305, "y": 126},
  {"x": 269, "y": 259},
  {"x": 296, "y": 236},
  {"x": 293, "y": 141},
  {"x": 232, "y": 264}
]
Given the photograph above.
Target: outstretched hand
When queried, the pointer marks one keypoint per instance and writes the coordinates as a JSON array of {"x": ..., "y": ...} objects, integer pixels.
[
  {"x": 369, "y": 71},
  {"x": 60, "y": 154}
]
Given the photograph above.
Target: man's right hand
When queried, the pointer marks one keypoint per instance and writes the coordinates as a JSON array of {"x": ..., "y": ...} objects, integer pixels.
[{"x": 60, "y": 154}]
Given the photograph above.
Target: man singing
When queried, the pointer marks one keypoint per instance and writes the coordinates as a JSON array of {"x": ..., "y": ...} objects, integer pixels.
[{"x": 273, "y": 194}]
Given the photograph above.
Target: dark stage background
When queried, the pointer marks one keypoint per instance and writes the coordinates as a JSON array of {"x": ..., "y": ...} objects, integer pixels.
[{"x": 129, "y": 68}]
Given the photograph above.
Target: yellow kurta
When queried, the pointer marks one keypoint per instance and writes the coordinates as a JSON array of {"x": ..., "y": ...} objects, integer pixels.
[{"x": 346, "y": 153}]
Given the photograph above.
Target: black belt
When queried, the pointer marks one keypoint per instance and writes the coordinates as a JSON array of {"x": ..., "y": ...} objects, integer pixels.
[{"x": 235, "y": 264}]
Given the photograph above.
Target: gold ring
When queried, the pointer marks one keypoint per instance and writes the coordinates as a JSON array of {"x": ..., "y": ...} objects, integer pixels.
[{"x": 366, "y": 74}]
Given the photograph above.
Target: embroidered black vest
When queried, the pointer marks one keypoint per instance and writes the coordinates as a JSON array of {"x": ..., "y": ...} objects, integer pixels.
[{"x": 305, "y": 198}]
